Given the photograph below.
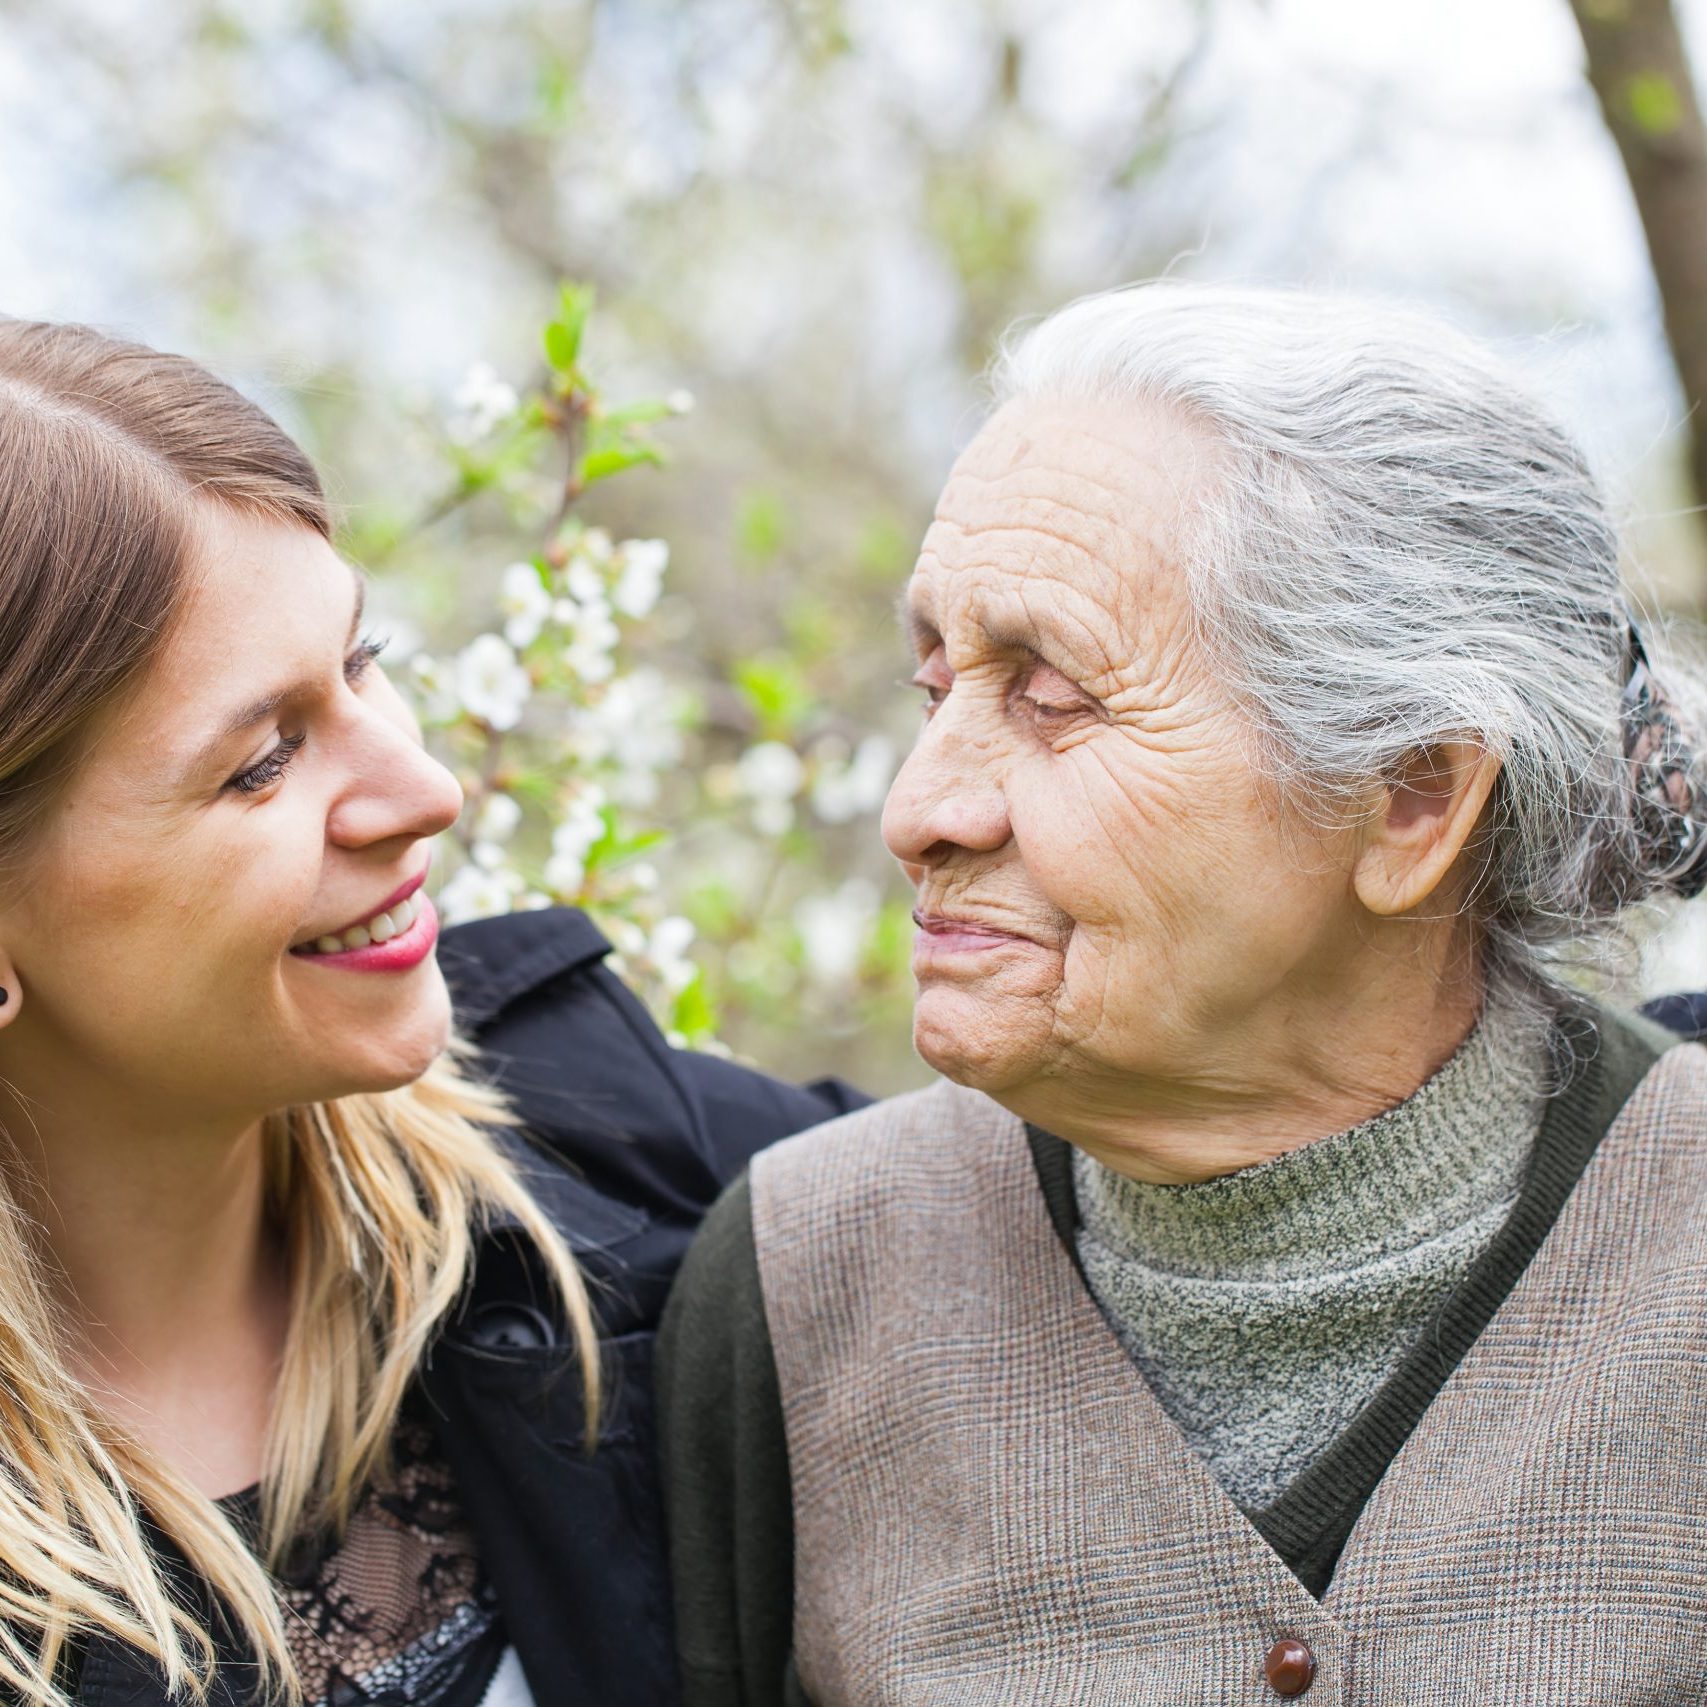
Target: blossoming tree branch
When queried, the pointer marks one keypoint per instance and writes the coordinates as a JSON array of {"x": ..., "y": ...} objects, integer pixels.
[{"x": 586, "y": 764}]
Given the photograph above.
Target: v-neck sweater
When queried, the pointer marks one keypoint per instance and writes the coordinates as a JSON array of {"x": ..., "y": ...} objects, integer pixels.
[
  {"x": 725, "y": 1444},
  {"x": 1266, "y": 1307},
  {"x": 991, "y": 1506}
]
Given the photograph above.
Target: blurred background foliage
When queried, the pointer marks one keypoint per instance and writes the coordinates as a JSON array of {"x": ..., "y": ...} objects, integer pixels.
[{"x": 800, "y": 226}]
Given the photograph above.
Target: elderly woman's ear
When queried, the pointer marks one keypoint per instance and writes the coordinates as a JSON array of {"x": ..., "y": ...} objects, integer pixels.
[{"x": 1419, "y": 823}]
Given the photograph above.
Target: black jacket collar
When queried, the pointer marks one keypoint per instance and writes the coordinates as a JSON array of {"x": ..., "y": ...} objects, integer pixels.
[{"x": 490, "y": 962}]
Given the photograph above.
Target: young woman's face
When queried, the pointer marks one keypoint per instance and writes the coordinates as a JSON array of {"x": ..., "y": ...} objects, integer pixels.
[{"x": 265, "y": 789}]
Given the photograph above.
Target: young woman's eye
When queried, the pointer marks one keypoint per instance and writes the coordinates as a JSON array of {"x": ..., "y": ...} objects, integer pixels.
[
  {"x": 268, "y": 770},
  {"x": 356, "y": 665}
]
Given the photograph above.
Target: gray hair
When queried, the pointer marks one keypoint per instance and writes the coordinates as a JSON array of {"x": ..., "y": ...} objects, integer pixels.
[{"x": 1402, "y": 548}]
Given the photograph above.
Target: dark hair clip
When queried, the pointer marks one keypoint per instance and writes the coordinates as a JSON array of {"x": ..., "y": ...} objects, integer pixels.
[{"x": 1662, "y": 764}]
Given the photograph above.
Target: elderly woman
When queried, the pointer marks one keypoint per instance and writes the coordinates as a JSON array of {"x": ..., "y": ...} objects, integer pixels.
[{"x": 1293, "y": 1283}]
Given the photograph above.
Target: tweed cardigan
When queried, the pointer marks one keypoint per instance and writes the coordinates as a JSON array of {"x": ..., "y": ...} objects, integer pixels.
[{"x": 990, "y": 1506}]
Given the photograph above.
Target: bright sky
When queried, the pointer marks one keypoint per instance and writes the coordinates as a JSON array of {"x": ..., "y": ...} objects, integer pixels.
[{"x": 1449, "y": 151}]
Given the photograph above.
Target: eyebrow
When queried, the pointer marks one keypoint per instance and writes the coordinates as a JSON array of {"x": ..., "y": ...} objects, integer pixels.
[
  {"x": 921, "y": 632},
  {"x": 258, "y": 709},
  {"x": 924, "y": 637}
]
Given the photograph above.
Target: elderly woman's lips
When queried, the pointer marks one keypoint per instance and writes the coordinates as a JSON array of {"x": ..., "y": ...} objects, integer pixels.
[{"x": 941, "y": 935}]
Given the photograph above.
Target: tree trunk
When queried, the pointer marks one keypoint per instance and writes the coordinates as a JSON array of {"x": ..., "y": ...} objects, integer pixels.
[{"x": 1639, "y": 69}]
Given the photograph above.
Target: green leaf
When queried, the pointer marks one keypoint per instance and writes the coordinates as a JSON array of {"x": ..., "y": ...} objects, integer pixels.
[
  {"x": 693, "y": 1014},
  {"x": 561, "y": 346},
  {"x": 715, "y": 908},
  {"x": 563, "y": 334},
  {"x": 614, "y": 459},
  {"x": 616, "y": 849},
  {"x": 777, "y": 693},
  {"x": 761, "y": 526},
  {"x": 885, "y": 551},
  {"x": 555, "y": 93},
  {"x": 600, "y": 852},
  {"x": 1654, "y": 103},
  {"x": 635, "y": 414}
]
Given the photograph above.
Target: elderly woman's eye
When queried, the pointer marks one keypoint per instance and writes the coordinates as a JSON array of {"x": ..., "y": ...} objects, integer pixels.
[
  {"x": 1049, "y": 694},
  {"x": 1047, "y": 708},
  {"x": 934, "y": 695},
  {"x": 935, "y": 678}
]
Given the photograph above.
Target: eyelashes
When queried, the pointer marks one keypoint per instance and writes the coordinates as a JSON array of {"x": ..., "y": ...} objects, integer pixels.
[
  {"x": 269, "y": 769},
  {"x": 266, "y": 771},
  {"x": 1041, "y": 709},
  {"x": 367, "y": 650}
]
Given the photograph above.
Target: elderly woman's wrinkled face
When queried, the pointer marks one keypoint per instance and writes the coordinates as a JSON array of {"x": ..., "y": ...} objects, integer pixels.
[{"x": 1106, "y": 886}]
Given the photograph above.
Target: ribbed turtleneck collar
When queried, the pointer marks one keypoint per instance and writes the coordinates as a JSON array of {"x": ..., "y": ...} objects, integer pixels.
[{"x": 1438, "y": 1159}]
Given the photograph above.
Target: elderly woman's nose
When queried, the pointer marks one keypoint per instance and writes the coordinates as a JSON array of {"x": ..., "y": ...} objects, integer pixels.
[{"x": 943, "y": 799}]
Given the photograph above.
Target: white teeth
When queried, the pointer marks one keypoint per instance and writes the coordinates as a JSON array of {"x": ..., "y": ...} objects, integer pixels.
[{"x": 382, "y": 927}]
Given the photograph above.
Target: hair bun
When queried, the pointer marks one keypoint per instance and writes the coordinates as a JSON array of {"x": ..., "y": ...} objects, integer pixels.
[{"x": 1665, "y": 779}]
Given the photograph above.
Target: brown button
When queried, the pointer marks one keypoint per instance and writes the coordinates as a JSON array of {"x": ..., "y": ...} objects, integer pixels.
[{"x": 1289, "y": 1668}]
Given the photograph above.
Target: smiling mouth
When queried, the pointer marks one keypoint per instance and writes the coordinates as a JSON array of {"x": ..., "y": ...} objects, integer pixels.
[
  {"x": 964, "y": 933},
  {"x": 400, "y": 910},
  {"x": 380, "y": 927}
]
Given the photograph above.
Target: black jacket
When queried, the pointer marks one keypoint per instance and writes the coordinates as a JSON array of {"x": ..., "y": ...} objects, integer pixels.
[{"x": 632, "y": 1142}]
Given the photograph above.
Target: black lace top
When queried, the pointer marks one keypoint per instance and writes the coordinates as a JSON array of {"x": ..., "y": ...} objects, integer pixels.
[{"x": 400, "y": 1612}]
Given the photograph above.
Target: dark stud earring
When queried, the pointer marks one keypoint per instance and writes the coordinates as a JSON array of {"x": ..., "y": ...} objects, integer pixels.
[{"x": 5, "y": 995}]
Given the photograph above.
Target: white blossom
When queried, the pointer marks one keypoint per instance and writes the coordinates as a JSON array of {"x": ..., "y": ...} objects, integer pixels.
[
  {"x": 582, "y": 825},
  {"x": 525, "y": 602},
  {"x": 679, "y": 402},
  {"x": 641, "y": 579},
  {"x": 564, "y": 874},
  {"x": 433, "y": 683},
  {"x": 490, "y": 682},
  {"x": 593, "y": 637},
  {"x": 480, "y": 402},
  {"x": 843, "y": 791},
  {"x": 499, "y": 817},
  {"x": 770, "y": 770},
  {"x": 635, "y": 727},
  {"x": 477, "y": 893},
  {"x": 773, "y": 817},
  {"x": 1675, "y": 957},
  {"x": 584, "y": 582},
  {"x": 770, "y": 775},
  {"x": 667, "y": 949},
  {"x": 625, "y": 935},
  {"x": 834, "y": 928}
]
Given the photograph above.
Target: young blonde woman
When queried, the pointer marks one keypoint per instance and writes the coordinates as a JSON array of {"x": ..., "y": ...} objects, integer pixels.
[{"x": 326, "y": 1295}]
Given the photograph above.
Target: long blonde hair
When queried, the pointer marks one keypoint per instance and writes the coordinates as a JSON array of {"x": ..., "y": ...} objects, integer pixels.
[{"x": 105, "y": 448}]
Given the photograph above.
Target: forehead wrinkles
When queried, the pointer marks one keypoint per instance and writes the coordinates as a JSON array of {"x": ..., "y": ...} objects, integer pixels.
[{"x": 1084, "y": 552}]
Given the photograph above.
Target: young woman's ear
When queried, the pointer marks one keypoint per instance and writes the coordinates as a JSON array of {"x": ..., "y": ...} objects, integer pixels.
[
  {"x": 1420, "y": 823},
  {"x": 11, "y": 991}
]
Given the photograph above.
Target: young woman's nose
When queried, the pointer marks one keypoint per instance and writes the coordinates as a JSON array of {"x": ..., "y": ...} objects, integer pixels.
[{"x": 400, "y": 789}]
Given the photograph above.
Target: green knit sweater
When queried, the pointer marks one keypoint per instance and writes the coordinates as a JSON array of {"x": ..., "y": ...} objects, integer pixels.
[{"x": 1266, "y": 1307}]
